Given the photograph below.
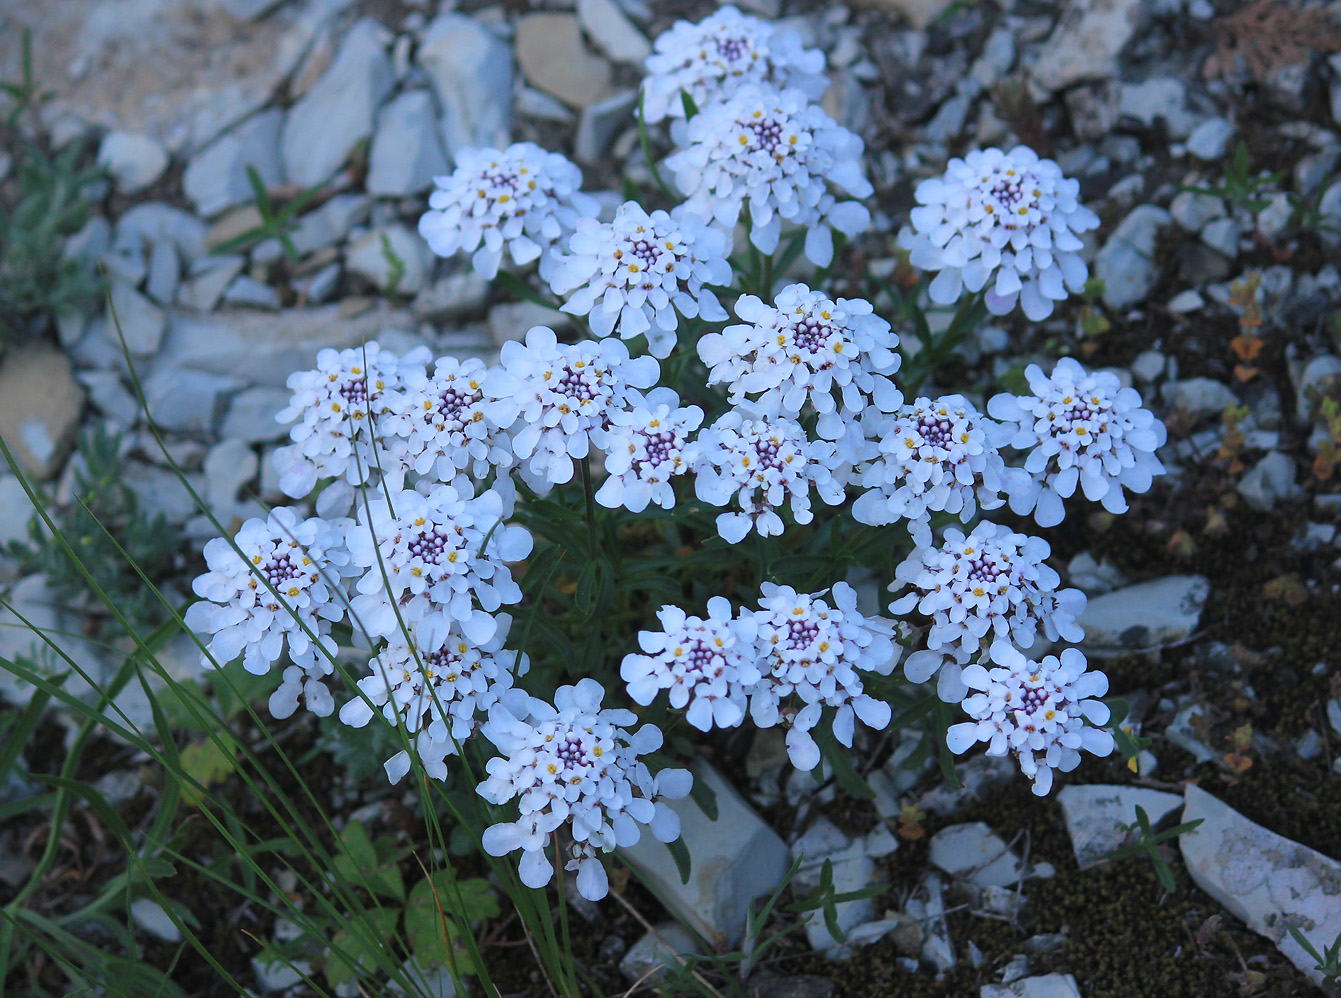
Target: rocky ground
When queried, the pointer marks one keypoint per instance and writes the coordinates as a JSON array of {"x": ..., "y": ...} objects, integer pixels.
[{"x": 1214, "y": 602}]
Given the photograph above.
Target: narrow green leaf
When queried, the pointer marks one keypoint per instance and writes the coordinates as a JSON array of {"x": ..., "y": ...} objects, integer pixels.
[{"x": 680, "y": 853}]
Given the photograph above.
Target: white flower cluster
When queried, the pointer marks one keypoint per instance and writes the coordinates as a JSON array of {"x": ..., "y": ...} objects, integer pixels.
[
  {"x": 1079, "y": 428},
  {"x": 789, "y": 660},
  {"x": 636, "y": 272},
  {"x": 565, "y": 392},
  {"x": 710, "y": 60},
  {"x": 520, "y": 200},
  {"x": 451, "y": 422},
  {"x": 762, "y": 462},
  {"x": 806, "y": 350},
  {"x": 278, "y": 585},
  {"x": 1036, "y": 710},
  {"x": 812, "y": 654},
  {"x": 982, "y": 592},
  {"x": 709, "y": 665},
  {"x": 435, "y": 562},
  {"x": 337, "y": 407},
  {"x": 576, "y": 764},
  {"x": 439, "y": 694},
  {"x": 776, "y": 155},
  {"x": 934, "y": 456},
  {"x": 1004, "y": 221},
  {"x": 646, "y": 446}
]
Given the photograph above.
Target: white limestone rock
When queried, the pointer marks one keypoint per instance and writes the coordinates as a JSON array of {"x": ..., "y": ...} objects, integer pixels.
[
  {"x": 134, "y": 161},
  {"x": 1146, "y": 615},
  {"x": 323, "y": 127},
  {"x": 406, "y": 151},
  {"x": 1098, "y": 816},
  {"x": 470, "y": 69},
  {"x": 1086, "y": 42},
  {"x": 1265, "y": 879},
  {"x": 736, "y": 858},
  {"x": 216, "y": 178}
]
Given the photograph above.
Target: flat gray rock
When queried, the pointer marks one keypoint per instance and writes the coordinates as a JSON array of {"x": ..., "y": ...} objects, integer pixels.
[
  {"x": 133, "y": 161},
  {"x": 470, "y": 69},
  {"x": 613, "y": 33},
  {"x": 264, "y": 348},
  {"x": 1146, "y": 615},
  {"x": 852, "y": 868},
  {"x": 323, "y": 127},
  {"x": 1048, "y": 986},
  {"x": 1086, "y": 42},
  {"x": 393, "y": 259},
  {"x": 1265, "y": 879},
  {"x": 736, "y": 858},
  {"x": 139, "y": 320},
  {"x": 1098, "y": 816},
  {"x": 216, "y": 177},
  {"x": 975, "y": 852},
  {"x": 648, "y": 958},
  {"x": 1269, "y": 480},
  {"x": 406, "y": 151},
  {"x": 1126, "y": 263}
]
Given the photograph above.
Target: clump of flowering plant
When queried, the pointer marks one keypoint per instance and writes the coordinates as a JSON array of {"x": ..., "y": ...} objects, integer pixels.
[
  {"x": 777, "y": 156},
  {"x": 519, "y": 201},
  {"x": 1079, "y": 428},
  {"x": 984, "y": 594},
  {"x": 1037, "y": 711},
  {"x": 1006, "y": 223},
  {"x": 575, "y": 764},
  {"x": 725, "y": 51},
  {"x": 640, "y": 272}
]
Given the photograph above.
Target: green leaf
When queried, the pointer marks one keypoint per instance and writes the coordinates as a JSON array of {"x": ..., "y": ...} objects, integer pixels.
[
  {"x": 516, "y": 286},
  {"x": 434, "y": 913},
  {"x": 680, "y": 853},
  {"x": 705, "y": 797},
  {"x": 359, "y": 945},
  {"x": 690, "y": 108},
  {"x": 208, "y": 763},
  {"x": 17, "y": 735}
]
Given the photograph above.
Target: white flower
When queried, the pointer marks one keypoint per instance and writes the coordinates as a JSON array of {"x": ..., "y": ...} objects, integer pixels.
[
  {"x": 429, "y": 567},
  {"x": 563, "y": 393},
  {"x": 575, "y": 764},
  {"x": 637, "y": 271},
  {"x": 812, "y": 651},
  {"x": 712, "y": 59},
  {"x": 1037, "y": 710},
  {"x": 281, "y": 586},
  {"x": 338, "y": 406},
  {"x": 1005, "y": 221},
  {"x": 708, "y": 665},
  {"x": 778, "y": 154},
  {"x": 1079, "y": 428},
  {"x": 645, "y": 446},
  {"x": 835, "y": 355},
  {"x": 453, "y": 421},
  {"x": 440, "y": 695},
  {"x": 520, "y": 200},
  {"x": 991, "y": 586},
  {"x": 934, "y": 457},
  {"x": 761, "y": 461}
]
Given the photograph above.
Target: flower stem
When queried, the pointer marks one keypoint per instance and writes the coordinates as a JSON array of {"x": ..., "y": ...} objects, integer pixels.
[{"x": 591, "y": 506}]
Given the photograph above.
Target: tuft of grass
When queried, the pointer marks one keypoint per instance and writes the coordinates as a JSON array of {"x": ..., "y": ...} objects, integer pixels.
[
  {"x": 104, "y": 513},
  {"x": 38, "y": 209}
]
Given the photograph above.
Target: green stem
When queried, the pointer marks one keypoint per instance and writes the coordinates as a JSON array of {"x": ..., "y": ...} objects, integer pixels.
[{"x": 591, "y": 507}]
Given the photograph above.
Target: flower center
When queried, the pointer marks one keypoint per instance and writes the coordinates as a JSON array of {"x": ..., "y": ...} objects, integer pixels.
[
  {"x": 451, "y": 404},
  {"x": 732, "y": 49},
  {"x": 647, "y": 252},
  {"x": 280, "y": 569},
  {"x": 801, "y": 634},
  {"x": 576, "y": 385},
  {"x": 1032, "y": 698},
  {"x": 355, "y": 391},
  {"x": 767, "y": 133},
  {"x": 432, "y": 546},
  {"x": 936, "y": 430},
  {"x": 985, "y": 568},
  {"x": 767, "y": 449},
  {"x": 811, "y": 335},
  {"x": 658, "y": 446}
]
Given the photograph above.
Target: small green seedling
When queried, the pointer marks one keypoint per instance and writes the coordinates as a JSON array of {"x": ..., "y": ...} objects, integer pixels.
[
  {"x": 1241, "y": 188},
  {"x": 1149, "y": 844},
  {"x": 1328, "y": 962},
  {"x": 825, "y": 899},
  {"x": 276, "y": 223}
]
